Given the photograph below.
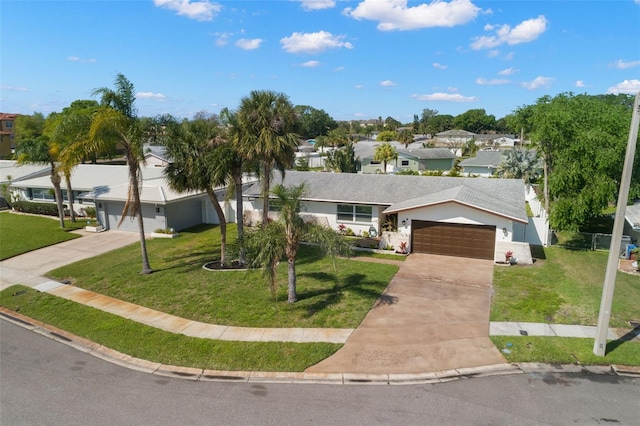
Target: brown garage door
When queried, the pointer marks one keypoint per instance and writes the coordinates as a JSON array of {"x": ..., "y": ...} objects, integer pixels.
[{"x": 453, "y": 239}]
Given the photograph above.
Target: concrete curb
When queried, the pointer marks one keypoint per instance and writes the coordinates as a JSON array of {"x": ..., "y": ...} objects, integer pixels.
[{"x": 199, "y": 374}]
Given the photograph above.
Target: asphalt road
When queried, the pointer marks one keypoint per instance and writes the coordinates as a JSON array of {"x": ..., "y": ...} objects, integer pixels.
[{"x": 43, "y": 382}]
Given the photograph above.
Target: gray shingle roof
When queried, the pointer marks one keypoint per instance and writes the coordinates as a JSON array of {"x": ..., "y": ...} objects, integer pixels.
[
  {"x": 483, "y": 158},
  {"x": 504, "y": 197},
  {"x": 428, "y": 153},
  {"x": 632, "y": 214}
]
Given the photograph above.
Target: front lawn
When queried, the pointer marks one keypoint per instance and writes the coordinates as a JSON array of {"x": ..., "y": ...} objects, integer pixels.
[
  {"x": 152, "y": 344},
  {"x": 23, "y": 233},
  {"x": 564, "y": 350},
  {"x": 563, "y": 287},
  {"x": 335, "y": 297}
]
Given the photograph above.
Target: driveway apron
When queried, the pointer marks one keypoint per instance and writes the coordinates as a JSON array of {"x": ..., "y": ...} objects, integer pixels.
[{"x": 433, "y": 316}]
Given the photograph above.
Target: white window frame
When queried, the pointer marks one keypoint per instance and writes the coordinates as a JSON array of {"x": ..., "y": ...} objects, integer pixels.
[{"x": 356, "y": 213}]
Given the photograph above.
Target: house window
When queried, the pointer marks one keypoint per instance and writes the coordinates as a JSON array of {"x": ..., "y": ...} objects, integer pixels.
[
  {"x": 8, "y": 124},
  {"x": 353, "y": 213},
  {"x": 275, "y": 205},
  {"x": 41, "y": 194},
  {"x": 404, "y": 163}
]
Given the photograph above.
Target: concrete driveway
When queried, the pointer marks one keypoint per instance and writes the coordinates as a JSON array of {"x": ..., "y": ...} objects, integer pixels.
[
  {"x": 29, "y": 268},
  {"x": 434, "y": 316}
]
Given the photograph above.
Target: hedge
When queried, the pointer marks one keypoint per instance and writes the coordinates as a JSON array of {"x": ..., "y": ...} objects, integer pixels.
[{"x": 36, "y": 208}]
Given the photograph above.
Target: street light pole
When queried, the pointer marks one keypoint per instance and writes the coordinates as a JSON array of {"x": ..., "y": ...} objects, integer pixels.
[{"x": 600, "y": 344}]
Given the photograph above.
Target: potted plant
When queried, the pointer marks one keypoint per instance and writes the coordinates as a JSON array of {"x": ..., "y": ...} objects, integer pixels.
[
  {"x": 507, "y": 256},
  {"x": 402, "y": 248}
]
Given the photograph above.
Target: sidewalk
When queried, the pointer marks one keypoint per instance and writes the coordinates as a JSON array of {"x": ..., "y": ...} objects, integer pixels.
[{"x": 174, "y": 324}]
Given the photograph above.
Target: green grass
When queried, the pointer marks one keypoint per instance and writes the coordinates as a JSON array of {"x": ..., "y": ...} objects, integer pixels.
[
  {"x": 155, "y": 345},
  {"x": 564, "y": 350},
  {"x": 337, "y": 297},
  {"x": 564, "y": 288},
  {"x": 22, "y": 233}
]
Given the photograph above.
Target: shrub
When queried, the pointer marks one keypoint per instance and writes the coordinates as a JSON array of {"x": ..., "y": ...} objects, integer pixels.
[
  {"x": 165, "y": 231},
  {"x": 365, "y": 234},
  {"x": 46, "y": 209},
  {"x": 90, "y": 211}
]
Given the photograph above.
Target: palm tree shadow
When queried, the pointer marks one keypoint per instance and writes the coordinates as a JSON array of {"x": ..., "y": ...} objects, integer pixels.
[{"x": 334, "y": 294}]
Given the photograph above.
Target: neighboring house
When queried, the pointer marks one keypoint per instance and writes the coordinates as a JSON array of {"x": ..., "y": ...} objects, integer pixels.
[
  {"x": 632, "y": 223},
  {"x": 106, "y": 187},
  {"x": 155, "y": 156},
  {"x": 484, "y": 164},
  {"x": 413, "y": 158},
  {"x": 463, "y": 217},
  {"x": 454, "y": 136},
  {"x": 7, "y": 135},
  {"x": 11, "y": 172}
]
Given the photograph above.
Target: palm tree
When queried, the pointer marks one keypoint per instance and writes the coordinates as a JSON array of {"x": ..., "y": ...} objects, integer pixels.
[
  {"x": 200, "y": 161},
  {"x": 237, "y": 165},
  {"x": 405, "y": 136},
  {"x": 115, "y": 124},
  {"x": 266, "y": 122},
  {"x": 519, "y": 164},
  {"x": 70, "y": 131},
  {"x": 385, "y": 153},
  {"x": 268, "y": 246},
  {"x": 41, "y": 151}
]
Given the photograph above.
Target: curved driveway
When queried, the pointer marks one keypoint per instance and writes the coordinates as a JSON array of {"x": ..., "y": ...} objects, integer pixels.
[{"x": 434, "y": 316}]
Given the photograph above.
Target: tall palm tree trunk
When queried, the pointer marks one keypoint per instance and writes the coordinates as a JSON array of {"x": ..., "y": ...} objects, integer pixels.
[
  {"x": 266, "y": 183},
  {"x": 223, "y": 224},
  {"x": 133, "y": 182},
  {"x": 57, "y": 190},
  {"x": 239, "y": 215},
  {"x": 72, "y": 213}
]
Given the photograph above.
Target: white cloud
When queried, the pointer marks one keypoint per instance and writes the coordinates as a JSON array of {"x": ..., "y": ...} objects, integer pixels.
[
  {"x": 84, "y": 61},
  {"x": 439, "y": 66},
  {"x": 249, "y": 43},
  {"x": 580, "y": 83},
  {"x": 623, "y": 65},
  {"x": 387, "y": 83},
  {"x": 492, "y": 82},
  {"x": 309, "y": 5},
  {"x": 313, "y": 43},
  {"x": 537, "y": 83},
  {"x": 493, "y": 53},
  {"x": 508, "y": 71},
  {"x": 151, "y": 95},
  {"x": 525, "y": 32},
  {"x": 359, "y": 86},
  {"x": 397, "y": 15},
  {"x": 14, "y": 89},
  {"x": 630, "y": 87},
  {"x": 199, "y": 10},
  {"x": 447, "y": 97},
  {"x": 339, "y": 68},
  {"x": 311, "y": 64},
  {"x": 222, "y": 39}
]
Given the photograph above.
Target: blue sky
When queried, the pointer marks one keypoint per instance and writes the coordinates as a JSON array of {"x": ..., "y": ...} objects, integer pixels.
[{"x": 355, "y": 60}]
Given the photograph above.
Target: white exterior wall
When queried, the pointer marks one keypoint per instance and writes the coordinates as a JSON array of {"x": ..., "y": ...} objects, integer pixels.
[
  {"x": 456, "y": 213},
  {"x": 326, "y": 213}
]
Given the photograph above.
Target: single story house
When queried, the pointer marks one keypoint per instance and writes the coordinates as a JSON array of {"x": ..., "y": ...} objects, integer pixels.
[
  {"x": 484, "y": 164},
  {"x": 632, "y": 223},
  {"x": 105, "y": 187},
  {"x": 413, "y": 158},
  {"x": 464, "y": 217}
]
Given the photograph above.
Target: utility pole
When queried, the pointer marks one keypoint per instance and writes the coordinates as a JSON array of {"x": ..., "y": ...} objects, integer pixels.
[{"x": 600, "y": 344}]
